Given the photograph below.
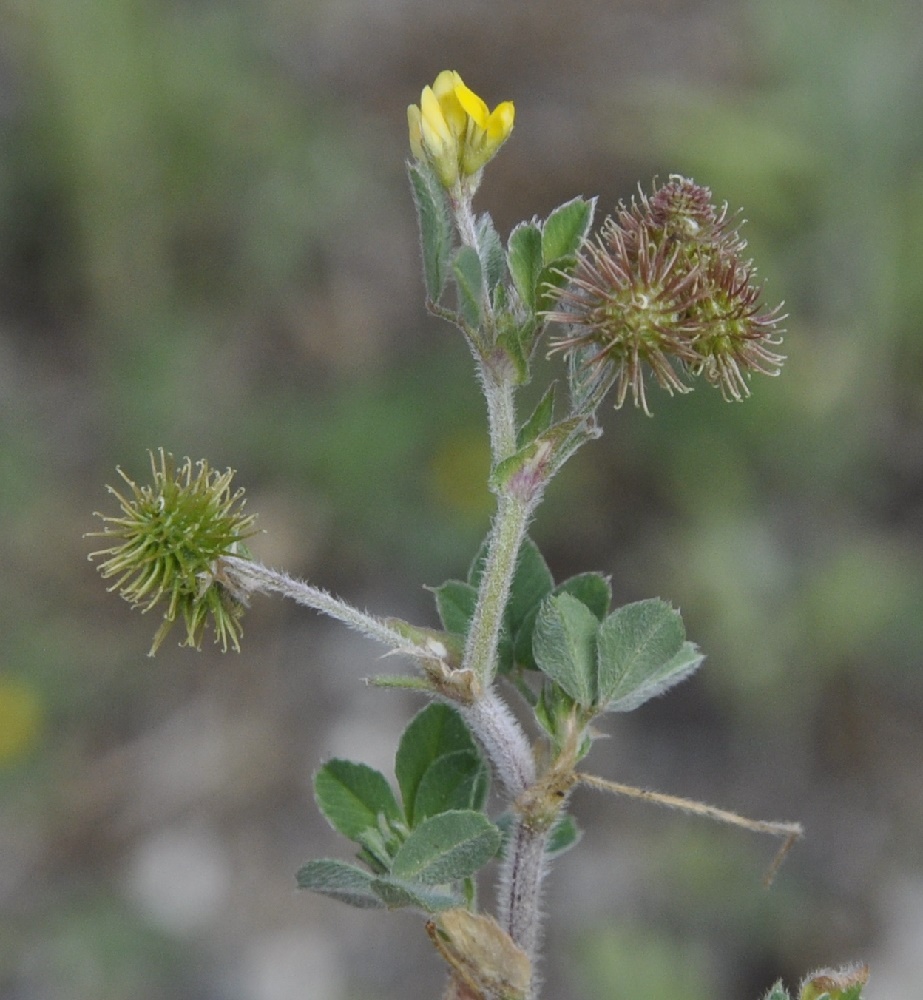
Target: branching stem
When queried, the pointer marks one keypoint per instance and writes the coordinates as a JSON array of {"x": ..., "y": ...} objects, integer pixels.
[
  {"x": 246, "y": 577},
  {"x": 792, "y": 832}
]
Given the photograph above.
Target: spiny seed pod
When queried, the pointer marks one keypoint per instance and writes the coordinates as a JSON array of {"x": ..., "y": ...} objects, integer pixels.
[
  {"x": 735, "y": 337},
  {"x": 664, "y": 286},
  {"x": 170, "y": 542}
]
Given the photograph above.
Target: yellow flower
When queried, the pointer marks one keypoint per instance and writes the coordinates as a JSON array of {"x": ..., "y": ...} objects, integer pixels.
[{"x": 454, "y": 131}]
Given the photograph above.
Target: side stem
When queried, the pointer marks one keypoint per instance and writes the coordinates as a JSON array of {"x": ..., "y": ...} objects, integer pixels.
[{"x": 244, "y": 577}]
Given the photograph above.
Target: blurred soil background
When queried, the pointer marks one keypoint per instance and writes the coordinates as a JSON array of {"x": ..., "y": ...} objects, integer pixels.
[{"x": 207, "y": 244}]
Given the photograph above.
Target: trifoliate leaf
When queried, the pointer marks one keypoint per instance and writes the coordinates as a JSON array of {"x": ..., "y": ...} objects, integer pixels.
[
  {"x": 642, "y": 653},
  {"x": 591, "y": 589},
  {"x": 566, "y": 228},
  {"x": 450, "y": 846},
  {"x": 398, "y": 894},
  {"x": 524, "y": 260},
  {"x": 564, "y": 646},
  {"x": 434, "y": 732},
  {"x": 341, "y": 881},
  {"x": 352, "y": 796},
  {"x": 458, "y": 780}
]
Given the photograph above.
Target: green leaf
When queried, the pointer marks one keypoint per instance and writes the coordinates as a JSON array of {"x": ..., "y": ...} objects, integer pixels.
[
  {"x": 493, "y": 260},
  {"x": 524, "y": 260},
  {"x": 778, "y": 992},
  {"x": 435, "y": 228},
  {"x": 352, "y": 796},
  {"x": 458, "y": 780},
  {"x": 564, "y": 835},
  {"x": 642, "y": 653},
  {"x": 377, "y": 848},
  {"x": 546, "y": 707},
  {"x": 501, "y": 299},
  {"x": 455, "y": 602},
  {"x": 469, "y": 278},
  {"x": 436, "y": 731},
  {"x": 566, "y": 228},
  {"x": 509, "y": 340},
  {"x": 341, "y": 881},
  {"x": 539, "y": 421},
  {"x": 591, "y": 589},
  {"x": 446, "y": 847},
  {"x": 398, "y": 894},
  {"x": 564, "y": 646}
]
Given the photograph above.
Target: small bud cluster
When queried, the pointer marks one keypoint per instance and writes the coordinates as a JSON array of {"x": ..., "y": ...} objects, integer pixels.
[
  {"x": 170, "y": 542},
  {"x": 666, "y": 285}
]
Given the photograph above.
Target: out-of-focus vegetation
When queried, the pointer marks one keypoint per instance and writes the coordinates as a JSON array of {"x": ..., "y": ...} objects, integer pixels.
[{"x": 206, "y": 244}]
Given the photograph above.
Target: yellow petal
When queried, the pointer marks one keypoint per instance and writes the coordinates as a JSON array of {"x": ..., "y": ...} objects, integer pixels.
[
  {"x": 500, "y": 123},
  {"x": 434, "y": 144},
  {"x": 444, "y": 88},
  {"x": 472, "y": 104},
  {"x": 414, "y": 127},
  {"x": 432, "y": 116},
  {"x": 446, "y": 82}
]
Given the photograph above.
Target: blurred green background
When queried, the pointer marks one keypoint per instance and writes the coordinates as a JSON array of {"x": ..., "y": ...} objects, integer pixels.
[{"x": 207, "y": 244}]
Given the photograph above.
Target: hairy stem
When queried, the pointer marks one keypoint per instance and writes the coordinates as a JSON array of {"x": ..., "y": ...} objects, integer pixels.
[
  {"x": 520, "y": 886},
  {"x": 245, "y": 577},
  {"x": 503, "y": 740},
  {"x": 506, "y": 536},
  {"x": 501, "y": 412}
]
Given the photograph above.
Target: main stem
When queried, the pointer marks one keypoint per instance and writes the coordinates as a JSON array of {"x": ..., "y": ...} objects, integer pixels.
[
  {"x": 520, "y": 887},
  {"x": 506, "y": 535},
  {"x": 523, "y": 866}
]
